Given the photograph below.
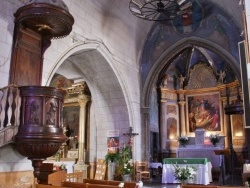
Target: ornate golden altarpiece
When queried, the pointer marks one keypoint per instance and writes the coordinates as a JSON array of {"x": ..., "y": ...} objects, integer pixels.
[{"x": 202, "y": 89}]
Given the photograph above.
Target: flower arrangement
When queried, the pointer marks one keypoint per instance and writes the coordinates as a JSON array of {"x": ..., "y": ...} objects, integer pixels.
[
  {"x": 60, "y": 167},
  {"x": 214, "y": 138},
  {"x": 184, "y": 173},
  {"x": 246, "y": 184},
  {"x": 125, "y": 161},
  {"x": 183, "y": 140},
  {"x": 121, "y": 185},
  {"x": 127, "y": 167},
  {"x": 63, "y": 166}
]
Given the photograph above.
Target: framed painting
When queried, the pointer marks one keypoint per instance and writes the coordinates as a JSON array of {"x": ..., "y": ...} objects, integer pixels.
[
  {"x": 203, "y": 111},
  {"x": 71, "y": 120}
]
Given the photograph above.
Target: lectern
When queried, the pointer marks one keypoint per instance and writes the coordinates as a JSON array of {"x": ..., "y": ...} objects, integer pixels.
[{"x": 222, "y": 152}]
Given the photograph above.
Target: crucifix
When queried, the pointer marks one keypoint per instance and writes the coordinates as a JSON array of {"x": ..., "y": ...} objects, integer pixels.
[{"x": 131, "y": 135}]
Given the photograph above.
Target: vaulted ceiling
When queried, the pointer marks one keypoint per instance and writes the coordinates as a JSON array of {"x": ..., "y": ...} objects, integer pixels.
[{"x": 120, "y": 10}]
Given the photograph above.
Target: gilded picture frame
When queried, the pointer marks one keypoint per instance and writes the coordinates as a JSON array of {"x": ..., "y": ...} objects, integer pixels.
[{"x": 203, "y": 111}]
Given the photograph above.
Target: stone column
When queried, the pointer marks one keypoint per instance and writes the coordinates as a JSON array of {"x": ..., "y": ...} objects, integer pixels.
[
  {"x": 146, "y": 133},
  {"x": 80, "y": 166},
  {"x": 182, "y": 112},
  {"x": 182, "y": 115},
  {"x": 162, "y": 123}
]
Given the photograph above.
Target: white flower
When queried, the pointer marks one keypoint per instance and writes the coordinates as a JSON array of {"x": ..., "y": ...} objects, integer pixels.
[
  {"x": 246, "y": 184},
  {"x": 184, "y": 173},
  {"x": 121, "y": 185},
  {"x": 140, "y": 184}
]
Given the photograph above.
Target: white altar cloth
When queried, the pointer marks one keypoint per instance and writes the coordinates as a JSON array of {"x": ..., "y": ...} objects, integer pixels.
[{"x": 203, "y": 173}]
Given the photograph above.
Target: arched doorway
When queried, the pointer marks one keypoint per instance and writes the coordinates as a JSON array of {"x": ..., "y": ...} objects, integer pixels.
[{"x": 108, "y": 108}]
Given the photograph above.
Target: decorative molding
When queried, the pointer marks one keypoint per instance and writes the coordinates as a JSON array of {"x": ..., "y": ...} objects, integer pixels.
[{"x": 201, "y": 76}]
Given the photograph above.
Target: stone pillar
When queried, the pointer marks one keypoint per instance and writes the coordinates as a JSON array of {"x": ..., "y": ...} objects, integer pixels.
[
  {"x": 162, "y": 125},
  {"x": 81, "y": 166},
  {"x": 82, "y": 99},
  {"x": 146, "y": 134},
  {"x": 182, "y": 115}
]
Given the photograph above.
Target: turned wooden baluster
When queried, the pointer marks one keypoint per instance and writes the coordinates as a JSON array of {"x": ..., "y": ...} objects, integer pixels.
[
  {"x": 3, "y": 104},
  {"x": 10, "y": 100},
  {"x": 18, "y": 104}
]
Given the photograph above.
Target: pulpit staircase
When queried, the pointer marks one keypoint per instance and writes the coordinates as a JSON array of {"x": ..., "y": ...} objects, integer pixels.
[{"x": 10, "y": 102}]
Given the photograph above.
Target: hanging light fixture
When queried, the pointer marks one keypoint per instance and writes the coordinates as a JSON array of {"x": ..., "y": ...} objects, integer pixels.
[{"x": 158, "y": 10}]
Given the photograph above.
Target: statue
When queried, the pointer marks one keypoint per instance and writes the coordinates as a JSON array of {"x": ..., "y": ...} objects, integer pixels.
[
  {"x": 182, "y": 79},
  {"x": 222, "y": 75},
  {"x": 164, "y": 81}
]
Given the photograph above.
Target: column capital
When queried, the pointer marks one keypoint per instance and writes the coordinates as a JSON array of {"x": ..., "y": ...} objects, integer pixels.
[
  {"x": 163, "y": 101},
  {"x": 83, "y": 99},
  {"x": 182, "y": 103}
]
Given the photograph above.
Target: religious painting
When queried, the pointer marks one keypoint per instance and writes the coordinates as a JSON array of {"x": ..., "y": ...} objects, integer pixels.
[
  {"x": 190, "y": 19},
  {"x": 237, "y": 125},
  {"x": 171, "y": 128},
  {"x": 71, "y": 120},
  {"x": 203, "y": 111},
  {"x": 113, "y": 141},
  {"x": 60, "y": 81}
]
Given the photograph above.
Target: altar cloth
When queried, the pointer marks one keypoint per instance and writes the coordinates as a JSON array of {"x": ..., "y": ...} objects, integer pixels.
[{"x": 202, "y": 165}]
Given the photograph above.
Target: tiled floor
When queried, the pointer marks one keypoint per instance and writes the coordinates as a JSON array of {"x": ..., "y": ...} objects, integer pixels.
[{"x": 229, "y": 181}]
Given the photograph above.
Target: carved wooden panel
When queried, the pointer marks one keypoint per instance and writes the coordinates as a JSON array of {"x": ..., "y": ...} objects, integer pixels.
[{"x": 26, "y": 65}]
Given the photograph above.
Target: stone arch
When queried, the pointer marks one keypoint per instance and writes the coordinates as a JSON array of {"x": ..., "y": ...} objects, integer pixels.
[
  {"x": 165, "y": 60},
  {"x": 171, "y": 52},
  {"x": 98, "y": 67}
]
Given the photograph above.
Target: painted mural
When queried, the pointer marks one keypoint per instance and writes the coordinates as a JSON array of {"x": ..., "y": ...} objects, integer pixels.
[{"x": 209, "y": 24}]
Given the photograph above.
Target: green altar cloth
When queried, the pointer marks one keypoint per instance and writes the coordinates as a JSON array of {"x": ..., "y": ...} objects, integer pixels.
[{"x": 185, "y": 160}]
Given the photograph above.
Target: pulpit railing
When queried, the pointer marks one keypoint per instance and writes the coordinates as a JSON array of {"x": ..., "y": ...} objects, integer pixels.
[{"x": 10, "y": 102}]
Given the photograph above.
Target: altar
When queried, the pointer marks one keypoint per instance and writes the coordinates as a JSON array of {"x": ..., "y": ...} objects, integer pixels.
[
  {"x": 202, "y": 165},
  {"x": 200, "y": 146},
  {"x": 207, "y": 152}
]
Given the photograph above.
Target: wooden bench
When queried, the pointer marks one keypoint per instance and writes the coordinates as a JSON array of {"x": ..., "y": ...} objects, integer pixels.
[
  {"x": 199, "y": 186},
  {"x": 85, "y": 185},
  {"x": 57, "y": 178},
  {"x": 110, "y": 182},
  {"x": 46, "y": 186}
]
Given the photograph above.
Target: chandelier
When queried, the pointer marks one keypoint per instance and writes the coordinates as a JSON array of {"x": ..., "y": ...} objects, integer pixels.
[{"x": 158, "y": 10}]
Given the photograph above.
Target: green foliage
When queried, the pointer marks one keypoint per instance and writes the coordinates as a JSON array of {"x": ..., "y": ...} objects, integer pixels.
[
  {"x": 113, "y": 157},
  {"x": 125, "y": 161}
]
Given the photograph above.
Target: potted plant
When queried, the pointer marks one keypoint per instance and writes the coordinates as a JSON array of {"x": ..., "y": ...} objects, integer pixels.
[
  {"x": 183, "y": 140},
  {"x": 214, "y": 139},
  {"x": 125, "y": 163},
  {"x": 112, "y": 157},
  {"x": 111, "y": 160}
]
